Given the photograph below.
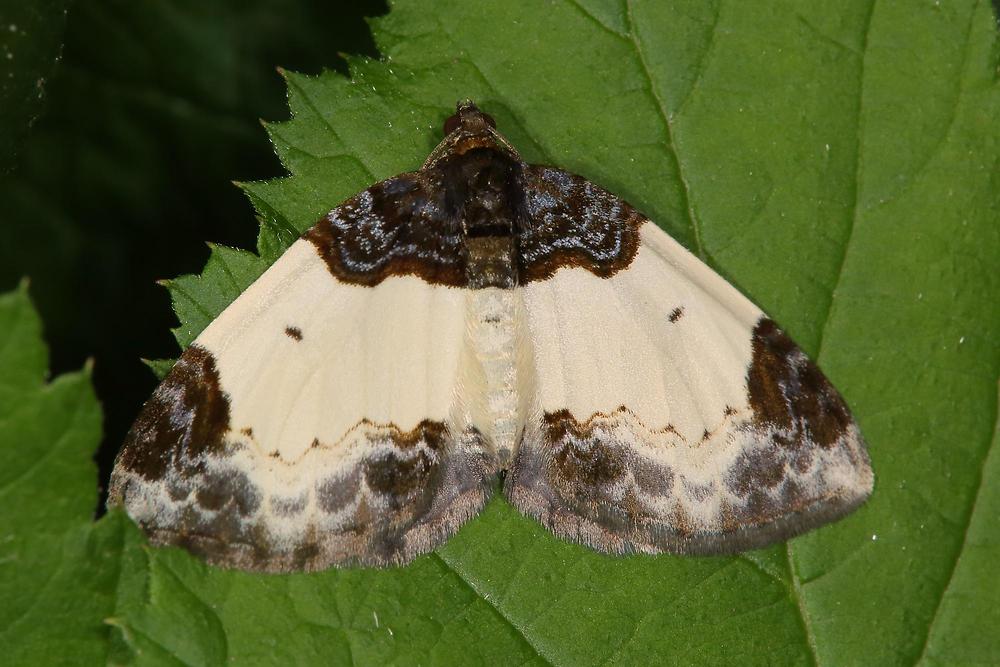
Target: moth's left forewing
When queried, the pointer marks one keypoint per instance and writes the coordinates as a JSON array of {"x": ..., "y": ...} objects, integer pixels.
[
  {"x": 670, "y": 413},
  {"x": 316, "y": 421}
]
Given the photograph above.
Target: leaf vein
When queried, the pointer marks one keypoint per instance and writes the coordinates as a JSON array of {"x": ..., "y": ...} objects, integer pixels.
[
  {"x": 669, "y": 142},
  {"x": 852, "y": 219},
  {"x": 596, "y": 21},
  {"x": 517, "y": 629},
  {"x": 224, "y": 265},
  {"x": 174, "y": 287},
  {"x": 797, "y": 590},
  {"x": 797, "y": 596},
  {"x": 990, "y": 449},
  {"x": 701, "y": 65},
  {"x": 757, "y": 566}
]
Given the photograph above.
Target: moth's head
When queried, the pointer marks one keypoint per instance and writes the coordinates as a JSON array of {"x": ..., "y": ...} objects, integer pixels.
[
  {"x": 469, "y": 119},
  {"x": 468, "y": 129}
]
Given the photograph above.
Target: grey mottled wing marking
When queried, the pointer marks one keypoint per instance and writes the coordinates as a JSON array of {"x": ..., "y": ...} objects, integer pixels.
[
  {"x": 797, "y": 461},
  {"x": 189, "y": 480}
]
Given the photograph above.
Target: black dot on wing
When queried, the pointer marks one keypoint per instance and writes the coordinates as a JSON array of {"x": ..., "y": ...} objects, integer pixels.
[
  {"x": 676, "y": 314},
  {"x": 294, "y": 333}
]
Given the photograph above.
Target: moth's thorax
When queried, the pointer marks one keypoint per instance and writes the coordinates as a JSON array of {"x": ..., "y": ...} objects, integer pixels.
[{"x": 484, "y": 191}]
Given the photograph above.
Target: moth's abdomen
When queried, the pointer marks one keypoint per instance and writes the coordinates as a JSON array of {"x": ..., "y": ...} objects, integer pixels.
[
  {"x": 498, "y": 376},
  {"x": 493, "y": 338}
]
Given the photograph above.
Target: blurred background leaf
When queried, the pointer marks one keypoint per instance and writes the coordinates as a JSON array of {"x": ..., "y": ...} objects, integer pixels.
[
  {"x": 31, "y": 37},
  {"x": 58, "y": 572},
  {"x": 153, "y": 111}
]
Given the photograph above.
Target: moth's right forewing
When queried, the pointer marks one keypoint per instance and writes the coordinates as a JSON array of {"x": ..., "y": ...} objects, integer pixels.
[{"x": 670, "y": 413}]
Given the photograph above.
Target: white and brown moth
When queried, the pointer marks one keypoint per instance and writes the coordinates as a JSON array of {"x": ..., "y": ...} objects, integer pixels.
[{"x": 483, "y": 316}]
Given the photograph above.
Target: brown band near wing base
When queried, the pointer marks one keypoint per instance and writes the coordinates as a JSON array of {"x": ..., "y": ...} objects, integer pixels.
[{"x": 409, "y": 225}]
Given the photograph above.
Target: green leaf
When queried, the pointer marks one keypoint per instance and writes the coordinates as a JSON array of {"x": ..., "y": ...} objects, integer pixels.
[
  {"x": 31, "y": 38},
  {"x": 839, "y": 164},
  {"x": 786, "y": 148},
  {"x": 58, "y": 572}
]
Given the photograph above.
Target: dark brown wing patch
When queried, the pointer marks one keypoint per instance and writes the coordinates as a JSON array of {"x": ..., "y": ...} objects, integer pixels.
[
  {"x": 401, "y": 226},
  {"x": 572, "y": 222},
  {"x": 787, "y": 390},
  {"x": 186, "y": 418}
]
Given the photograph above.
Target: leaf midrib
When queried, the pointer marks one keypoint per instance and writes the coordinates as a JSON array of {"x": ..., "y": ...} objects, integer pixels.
[{"x": 990, "y": 451}]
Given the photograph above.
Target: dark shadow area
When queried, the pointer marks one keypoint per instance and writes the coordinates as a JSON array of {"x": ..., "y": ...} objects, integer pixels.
[{"x": 152, "y": 112}]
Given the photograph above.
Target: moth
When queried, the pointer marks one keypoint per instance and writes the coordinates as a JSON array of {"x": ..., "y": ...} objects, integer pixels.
[{"x": 484, "y": 318}]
